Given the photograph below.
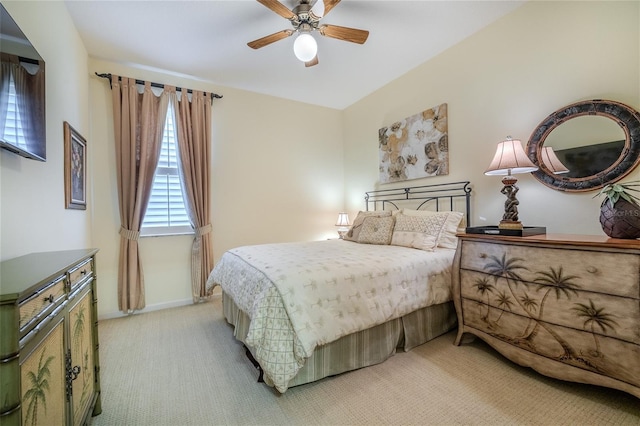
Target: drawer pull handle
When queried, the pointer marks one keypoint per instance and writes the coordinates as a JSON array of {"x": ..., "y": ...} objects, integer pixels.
[
  {"x": 71, "y": 373},
  {"x": 83, "y": 272},
  {"x": 592, "y": 269},
  {"x": 49, "y": 298}
]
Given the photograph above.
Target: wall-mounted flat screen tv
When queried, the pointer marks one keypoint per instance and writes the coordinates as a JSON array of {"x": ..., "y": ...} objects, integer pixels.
[{"x": 22, "y": 93}]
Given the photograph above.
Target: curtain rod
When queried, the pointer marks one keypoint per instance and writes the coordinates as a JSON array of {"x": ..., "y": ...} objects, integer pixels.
[{"x": 158, "y": 85}]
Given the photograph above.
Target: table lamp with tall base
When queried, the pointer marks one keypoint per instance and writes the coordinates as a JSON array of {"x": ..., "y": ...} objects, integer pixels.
[{"x": 510, "y": 159}]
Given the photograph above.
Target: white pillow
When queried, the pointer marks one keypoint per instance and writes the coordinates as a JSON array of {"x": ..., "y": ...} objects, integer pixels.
[
  {"x": 418, "y": 231},
  {"x": 354, "y": 231},
  {"x": 454, "y": 223}
]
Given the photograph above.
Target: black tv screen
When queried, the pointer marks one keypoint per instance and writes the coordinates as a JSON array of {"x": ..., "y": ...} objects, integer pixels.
[
  {"x": 22, "y": 93},
  {"x": 590, "y": 160}
]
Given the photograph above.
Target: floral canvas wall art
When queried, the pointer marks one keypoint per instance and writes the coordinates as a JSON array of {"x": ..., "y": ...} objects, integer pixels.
[{"x": 415, "y": 147}]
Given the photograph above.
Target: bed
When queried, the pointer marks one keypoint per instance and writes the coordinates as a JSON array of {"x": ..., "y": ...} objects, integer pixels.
[{"x": 310, "y": 310}]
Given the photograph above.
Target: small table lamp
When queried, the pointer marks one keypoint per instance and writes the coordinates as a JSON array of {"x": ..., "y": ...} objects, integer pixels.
[
  {"x": 510, "y": 159},
  {"x": 552, "y": 162},
  {"x": 342, "y": 224}
]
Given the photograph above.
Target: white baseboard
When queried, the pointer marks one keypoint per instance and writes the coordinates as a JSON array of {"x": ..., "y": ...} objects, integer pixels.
[{"x": 150, "y": 308}]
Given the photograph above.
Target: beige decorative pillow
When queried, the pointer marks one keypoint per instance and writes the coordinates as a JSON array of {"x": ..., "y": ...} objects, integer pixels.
[
  {"x": 421, "y": 232},
  {"x": 376, "y": 230},
  {"x": 454, "y": 223},
  {"x": 353, "y": 233}
]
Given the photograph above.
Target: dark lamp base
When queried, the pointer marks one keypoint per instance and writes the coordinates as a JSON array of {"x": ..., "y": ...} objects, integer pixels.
[{"x": 510, "y": 224}]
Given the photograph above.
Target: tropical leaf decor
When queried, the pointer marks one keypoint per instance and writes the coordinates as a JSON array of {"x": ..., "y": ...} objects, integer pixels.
[
  {"x": 551, "y": 310},
  {"x": 620, "y": 212},
  {"x": 36, "y": 395},
  {"x": 42, "y": 382}
]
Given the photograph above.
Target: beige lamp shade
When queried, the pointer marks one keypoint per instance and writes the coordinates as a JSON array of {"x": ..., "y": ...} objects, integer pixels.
[
  {"x": 510, "y": 159},
  {"x": 342, "y": 224},
  {"x": 343, "y": 219},
  {"x": 552, "y": 162}
]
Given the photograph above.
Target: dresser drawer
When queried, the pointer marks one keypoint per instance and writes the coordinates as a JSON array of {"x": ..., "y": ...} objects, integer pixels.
[
  {"x": 589, "y": 270},
  {"x": 41, "y": 302},
  {"x": 78, "y": 274}
]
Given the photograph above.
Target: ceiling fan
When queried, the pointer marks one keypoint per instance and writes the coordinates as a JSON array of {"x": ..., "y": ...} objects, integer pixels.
[{"x": 305, "y": 19}]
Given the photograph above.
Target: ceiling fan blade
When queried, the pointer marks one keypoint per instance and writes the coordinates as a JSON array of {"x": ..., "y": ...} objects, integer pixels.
[
  {"x": 344, "y": 33},
  {"x": 278, "y": 8},
  {"x": 272, "y": 38},
  {"x": 322, "y": 7},
  {"x": 312, "y": 62},
  {"x": 328, "y": 5}
]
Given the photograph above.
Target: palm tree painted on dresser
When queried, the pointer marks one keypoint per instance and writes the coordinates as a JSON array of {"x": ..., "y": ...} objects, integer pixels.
[
  {"x": 510, "y": 269},
  {"x": 552, "y": 280},
  {"x": 484, "y": 286},
  {"x": 37, "y": 392},
  {"x": 530, "y": 305},
  {"x": 503, "y": 300},
  {"x": 595, "y": 317}
]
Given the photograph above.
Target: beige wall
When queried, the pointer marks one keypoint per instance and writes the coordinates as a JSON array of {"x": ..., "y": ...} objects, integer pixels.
[
  {"x": 281, "y": 171},
  {"x": 277, "y": 169},
  {"x": 505, "y": 80},
  {"x": 32, "y": 211},
  {"x": 277, "y": 176}
]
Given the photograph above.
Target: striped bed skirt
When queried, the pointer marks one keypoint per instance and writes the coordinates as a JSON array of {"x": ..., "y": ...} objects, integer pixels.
[{"x": 361, "y": 349}]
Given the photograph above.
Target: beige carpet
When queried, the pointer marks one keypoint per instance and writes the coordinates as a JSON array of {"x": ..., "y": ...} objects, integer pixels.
[{"x": 182, "y": 366}]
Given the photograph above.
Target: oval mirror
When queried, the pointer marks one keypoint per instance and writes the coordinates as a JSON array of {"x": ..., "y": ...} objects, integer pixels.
[{"x": 595, "y": 142}]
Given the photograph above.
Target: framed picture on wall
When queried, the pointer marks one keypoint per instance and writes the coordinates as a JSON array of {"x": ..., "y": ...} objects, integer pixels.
[
  {"x": 415, "y": 147},
  {"x": 75, "y": 169}
]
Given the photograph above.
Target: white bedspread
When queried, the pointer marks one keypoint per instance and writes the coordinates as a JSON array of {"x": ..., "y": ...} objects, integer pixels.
[{"x": 302, "y": 295}]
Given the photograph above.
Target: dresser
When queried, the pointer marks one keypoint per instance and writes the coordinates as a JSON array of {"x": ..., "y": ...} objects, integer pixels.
[
  {"x": 567, "y": 306},
  {"x": 49, "y": 364}
]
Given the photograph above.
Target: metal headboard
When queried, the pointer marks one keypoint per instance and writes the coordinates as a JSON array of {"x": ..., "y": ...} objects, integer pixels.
[{"x": 441, "y": 196}]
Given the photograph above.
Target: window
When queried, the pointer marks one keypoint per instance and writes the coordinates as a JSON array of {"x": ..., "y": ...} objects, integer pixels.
[
  {"x": 13, "y": 132},
  {"x": 166, "y": 213}
]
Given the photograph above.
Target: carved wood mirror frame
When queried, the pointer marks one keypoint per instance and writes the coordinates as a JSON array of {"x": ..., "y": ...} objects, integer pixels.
[{"x": 626, "y": 117}]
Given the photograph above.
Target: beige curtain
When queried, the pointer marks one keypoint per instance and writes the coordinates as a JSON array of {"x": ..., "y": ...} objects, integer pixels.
[
  {"x": 194, "y": 145},
  {"x": 138, "y": 123}
]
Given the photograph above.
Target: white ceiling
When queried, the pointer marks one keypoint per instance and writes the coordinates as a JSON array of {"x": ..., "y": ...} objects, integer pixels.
[{"x": 207, "y": 40}]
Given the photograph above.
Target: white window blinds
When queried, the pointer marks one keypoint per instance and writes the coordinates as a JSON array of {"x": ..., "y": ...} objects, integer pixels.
[
  {"x": 166, "y": 212},
  {"x": 13, "y": 132}
]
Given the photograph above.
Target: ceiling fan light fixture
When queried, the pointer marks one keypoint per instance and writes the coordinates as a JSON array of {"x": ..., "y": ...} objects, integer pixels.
[
  {"x": 305, "y": 47},
  {"x": 305, "y": 19}
]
